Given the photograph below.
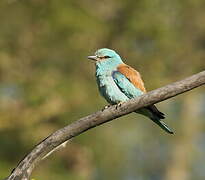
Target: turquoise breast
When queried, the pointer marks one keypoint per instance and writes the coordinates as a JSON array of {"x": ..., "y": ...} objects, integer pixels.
[{"x": 108, "y": 88}]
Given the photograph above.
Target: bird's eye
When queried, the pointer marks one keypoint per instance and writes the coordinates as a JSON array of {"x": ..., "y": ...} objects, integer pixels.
[{"x": 103, "y": 57}]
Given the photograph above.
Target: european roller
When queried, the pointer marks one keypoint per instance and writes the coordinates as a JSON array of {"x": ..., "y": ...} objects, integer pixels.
[{"x": 118, "y": 82}]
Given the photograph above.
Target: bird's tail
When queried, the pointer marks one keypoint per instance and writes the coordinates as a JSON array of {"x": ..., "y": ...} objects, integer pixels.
[{"x": 156, "y": 116}]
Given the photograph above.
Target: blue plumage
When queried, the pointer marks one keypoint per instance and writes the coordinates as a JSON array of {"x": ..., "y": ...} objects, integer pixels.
[
  {"x": 118, "y": 82},
  {"x": 106, "y": 84},
  {"x": 125, "y": 85}
]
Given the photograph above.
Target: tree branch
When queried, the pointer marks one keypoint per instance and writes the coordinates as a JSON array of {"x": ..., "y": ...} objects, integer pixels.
[{"x": 25, "y": 167}]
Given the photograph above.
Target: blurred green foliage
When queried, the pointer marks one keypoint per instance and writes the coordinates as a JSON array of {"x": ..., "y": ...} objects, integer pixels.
[{"x": 46, "y": 82}]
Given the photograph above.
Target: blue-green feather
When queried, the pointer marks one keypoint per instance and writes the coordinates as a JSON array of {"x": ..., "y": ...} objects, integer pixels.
[
  {"x": 125, "y": 85},
  {"x": 116, "y": 88}
]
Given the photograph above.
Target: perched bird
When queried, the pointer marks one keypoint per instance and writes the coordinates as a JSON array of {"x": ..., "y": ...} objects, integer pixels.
[{"x": 118, "y": 82}]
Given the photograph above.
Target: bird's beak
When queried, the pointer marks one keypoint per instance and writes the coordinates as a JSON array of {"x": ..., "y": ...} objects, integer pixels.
[{"x": 94, "y": 58}]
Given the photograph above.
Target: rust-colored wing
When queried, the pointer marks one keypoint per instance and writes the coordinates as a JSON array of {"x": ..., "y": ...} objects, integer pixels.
[{"x": 133, "y": 76}]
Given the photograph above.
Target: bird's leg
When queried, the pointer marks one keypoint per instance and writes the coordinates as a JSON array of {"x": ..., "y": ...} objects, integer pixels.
[
  {"x": 119, "y": 104},
  {"x": 107, "y": 106}
]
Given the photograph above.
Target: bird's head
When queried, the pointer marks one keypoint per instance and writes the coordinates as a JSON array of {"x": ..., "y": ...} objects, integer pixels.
[{"x": 106, "y": 56}]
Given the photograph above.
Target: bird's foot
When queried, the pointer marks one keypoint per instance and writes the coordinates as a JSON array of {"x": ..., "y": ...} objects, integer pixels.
[
  {"x": 119, "y": 104},
  {"x": 107, "y": 106}
]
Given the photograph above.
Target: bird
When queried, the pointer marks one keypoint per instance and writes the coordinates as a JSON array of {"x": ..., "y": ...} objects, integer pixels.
[{"x": 118, "y": 82}]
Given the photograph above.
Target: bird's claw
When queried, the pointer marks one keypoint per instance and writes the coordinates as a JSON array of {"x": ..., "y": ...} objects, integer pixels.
[
  {"x": 119, "y": 104},
  {"x": 107, "y": 106}
]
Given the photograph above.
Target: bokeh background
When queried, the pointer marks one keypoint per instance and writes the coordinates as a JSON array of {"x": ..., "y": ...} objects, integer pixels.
[{"x": 46, "y": 82}]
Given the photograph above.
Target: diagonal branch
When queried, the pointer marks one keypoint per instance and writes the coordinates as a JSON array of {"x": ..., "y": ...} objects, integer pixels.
[{"x": 25, "y": 167}]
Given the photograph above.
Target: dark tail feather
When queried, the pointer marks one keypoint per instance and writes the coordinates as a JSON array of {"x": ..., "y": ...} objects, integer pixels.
[
  {"x": 157, "y": 116},
  {"x": 161, "y": 124},
  {"x": 156, "y": 112}
]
